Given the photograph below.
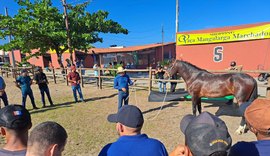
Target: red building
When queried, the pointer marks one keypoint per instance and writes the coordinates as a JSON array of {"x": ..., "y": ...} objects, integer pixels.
[
  {"x": 214, "y": 49},
  {"x": 133, "y": 57}
]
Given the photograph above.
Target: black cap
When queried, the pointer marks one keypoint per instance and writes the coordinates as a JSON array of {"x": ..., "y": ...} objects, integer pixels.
[
  {"x": 15, "y": 117},
  {"x": 205, "y": 134},
  {"x": 128, "y": 115}
]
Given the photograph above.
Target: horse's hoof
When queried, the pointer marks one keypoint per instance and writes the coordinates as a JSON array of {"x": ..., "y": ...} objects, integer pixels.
[{"x": 240, "y": 130}]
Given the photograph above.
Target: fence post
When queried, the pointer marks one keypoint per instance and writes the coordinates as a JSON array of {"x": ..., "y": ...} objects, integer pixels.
[
  {"x": 54, "y": 77},
  {"x": 66, "y": 76},
  {"x": 150, "y": 80},
  {"x": 99, "y": 79},
  {"x": 33, "y": 70},
  {"x": 268, "y": 90},
  {"x": 7, "y": 72},
  {"x": 2, "y": 71},
  {"x": 81, "y": 77}
]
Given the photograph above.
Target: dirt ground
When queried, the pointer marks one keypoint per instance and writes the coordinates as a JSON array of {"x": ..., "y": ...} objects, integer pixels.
[{"x": 87, "y": 126}]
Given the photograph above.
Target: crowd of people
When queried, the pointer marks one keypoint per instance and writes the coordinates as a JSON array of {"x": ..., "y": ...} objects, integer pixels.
[{"x": 205, "y": 134}]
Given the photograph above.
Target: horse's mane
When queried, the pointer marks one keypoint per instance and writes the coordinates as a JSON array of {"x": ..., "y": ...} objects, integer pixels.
[{"x": 191, "y": 66}]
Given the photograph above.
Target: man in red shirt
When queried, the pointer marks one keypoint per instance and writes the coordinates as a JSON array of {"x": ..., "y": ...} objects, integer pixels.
[{"x": 75, "y": 80}]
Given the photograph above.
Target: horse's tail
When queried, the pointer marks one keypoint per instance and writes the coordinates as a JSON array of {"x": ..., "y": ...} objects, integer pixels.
[{"x": 254, "y": 93}]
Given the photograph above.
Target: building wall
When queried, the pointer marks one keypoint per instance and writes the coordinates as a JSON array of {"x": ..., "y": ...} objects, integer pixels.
[
  {"x": 250, "y": 54},
  {"x": 37, "y": 61},
  {"x": 65, "y": 56},
  {"x": 17, "y": 56}
]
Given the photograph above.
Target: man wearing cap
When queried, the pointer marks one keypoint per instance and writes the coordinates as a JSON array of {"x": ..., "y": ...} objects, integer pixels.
[
  {"x": 3, "y": 94},
  {"x": 129, "y": 122},
  {"x": 24, "y": 82},
  {"x": 47, "y": 139},
  {"x": 15, "y": 121},
  {"x": 257, "y": 117},
  {"x": 41, "y": 79},
  {"x": 205, "y": 135},
  {"x": 121, "y": 82},
  {"x": 75, "y": 80}
]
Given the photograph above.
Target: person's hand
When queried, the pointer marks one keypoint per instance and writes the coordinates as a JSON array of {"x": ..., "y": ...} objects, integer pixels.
[
  {"x": 124, "y": 89},
  {"x": 181, "y": 150}
]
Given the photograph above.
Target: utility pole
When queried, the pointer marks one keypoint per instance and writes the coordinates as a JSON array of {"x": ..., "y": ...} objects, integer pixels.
[
  {"x": 177, "y": 16},
  {"x": 67, "y": 29},
  {"x": 176, "y": 20},
  {"x": 162, "y": 48},
  {"x": 9, "y": 39}
]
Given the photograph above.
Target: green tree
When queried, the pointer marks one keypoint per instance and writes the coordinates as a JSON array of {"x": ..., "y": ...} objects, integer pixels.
[{"x": 40, "y": 25}]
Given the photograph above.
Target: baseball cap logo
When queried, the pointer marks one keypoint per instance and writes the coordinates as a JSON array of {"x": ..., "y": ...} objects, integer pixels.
[
  {"x": 218, "y": 141},
  {"x": 17, "y": 113}
]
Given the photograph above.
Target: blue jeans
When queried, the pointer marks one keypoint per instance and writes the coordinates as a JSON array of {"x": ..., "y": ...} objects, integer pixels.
[
  {"x": 4, "y": 98},
  {"x": 47, "y": 91},
  {"x": 162, "y": 86},
  {"x": 77, "y": 88},
  {"x": 122, "y": 96},
  {"x": 30, "y": 94}
]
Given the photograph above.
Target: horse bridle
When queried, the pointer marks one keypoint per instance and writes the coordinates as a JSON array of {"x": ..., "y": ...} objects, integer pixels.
[{"x": 171, "y": 68}]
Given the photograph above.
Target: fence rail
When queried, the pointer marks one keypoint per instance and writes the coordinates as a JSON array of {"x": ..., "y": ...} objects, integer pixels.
[{"x": 58, "y": 74}]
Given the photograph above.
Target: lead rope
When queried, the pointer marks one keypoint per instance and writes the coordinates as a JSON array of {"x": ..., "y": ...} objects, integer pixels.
[{"x": 161, "y": 107}]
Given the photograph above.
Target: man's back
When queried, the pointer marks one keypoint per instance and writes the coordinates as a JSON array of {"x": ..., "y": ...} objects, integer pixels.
[
  {"x": 255, "y": 148},
  {"x": 137, "y": 145},
  {"x": 4, "y": 152}
]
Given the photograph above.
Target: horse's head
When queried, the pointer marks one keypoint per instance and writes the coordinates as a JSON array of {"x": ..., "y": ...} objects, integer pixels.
[{"x": 171, "y": 70}]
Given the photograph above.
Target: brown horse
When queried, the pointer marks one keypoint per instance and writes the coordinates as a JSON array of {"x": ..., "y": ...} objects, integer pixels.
[{"x": 201, "y": 83}]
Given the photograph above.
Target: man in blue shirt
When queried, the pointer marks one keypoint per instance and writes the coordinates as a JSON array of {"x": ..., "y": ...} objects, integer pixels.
[
  {"x": 257, "y": 116},
  {"x": 121, "y": 82},
  {"x": 129, "y": 122},
  {"x": 24, "y": 82},
  {"x": 3, "y": 94}
]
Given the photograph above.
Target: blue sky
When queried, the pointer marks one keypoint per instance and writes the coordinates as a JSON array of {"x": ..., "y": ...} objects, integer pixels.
[{"x": 144, "y": 18}]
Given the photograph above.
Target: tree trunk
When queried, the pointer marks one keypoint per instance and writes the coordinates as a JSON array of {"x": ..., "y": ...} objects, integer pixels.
[
  {"x": 59, "y": 56},
  {"x": 71, "y": 58}
]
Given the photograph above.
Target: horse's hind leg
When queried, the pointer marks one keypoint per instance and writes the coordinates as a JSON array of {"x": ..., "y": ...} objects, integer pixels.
[{"x": 242, "y": 127}]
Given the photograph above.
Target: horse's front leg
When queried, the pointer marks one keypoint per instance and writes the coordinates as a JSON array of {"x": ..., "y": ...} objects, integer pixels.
[
  {"x": 199, "y": 105},
  {"x": 196, "y": 101}
]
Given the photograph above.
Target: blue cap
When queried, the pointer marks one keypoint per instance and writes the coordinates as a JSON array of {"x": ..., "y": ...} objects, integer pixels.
[{"x": 128, "y": 115}]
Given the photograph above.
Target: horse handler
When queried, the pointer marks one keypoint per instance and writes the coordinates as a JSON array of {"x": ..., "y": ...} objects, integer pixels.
[{"x": 121, "y": 82}]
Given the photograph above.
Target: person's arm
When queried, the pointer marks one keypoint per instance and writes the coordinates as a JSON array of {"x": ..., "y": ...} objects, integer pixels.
[
  {"x": 35, "y": 79},
  {"x": 4, "y": 85},
  {"x": 46, "y": 80},
  {"x": 181, "y": 150},
  {"x": 79, "y": 79},
  {"x": 31, "y": 80},
  {"x": 17, "y": 82},
  {"x": 69, "y": 79},
  {"x": 129, "y": 81},
  {"x": 115, "y": 83}
]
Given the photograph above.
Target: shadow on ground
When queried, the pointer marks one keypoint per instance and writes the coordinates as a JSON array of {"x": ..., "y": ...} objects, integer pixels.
[{"x": 172, "y": 104}]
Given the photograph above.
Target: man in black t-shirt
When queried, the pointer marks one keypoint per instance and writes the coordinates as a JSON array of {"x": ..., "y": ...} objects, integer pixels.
[
  {"x": 41, "y": 79},
  {"x": 160, "y": 75}
]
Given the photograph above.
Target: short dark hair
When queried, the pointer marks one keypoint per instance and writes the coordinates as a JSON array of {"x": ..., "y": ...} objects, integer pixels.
[
  {"x": 219, "y": 153},
  {"x": 46, "y": 134}
]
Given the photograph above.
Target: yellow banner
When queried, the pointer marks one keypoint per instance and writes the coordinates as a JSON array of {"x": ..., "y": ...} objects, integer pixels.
[
  {"x": 252, "y": 33},
  {"x": 62, "y": 47}
]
